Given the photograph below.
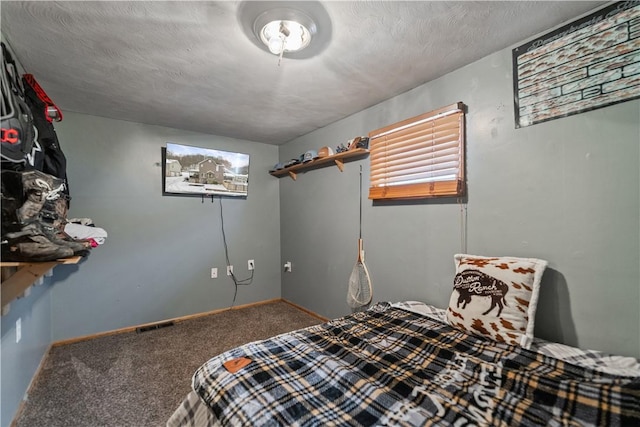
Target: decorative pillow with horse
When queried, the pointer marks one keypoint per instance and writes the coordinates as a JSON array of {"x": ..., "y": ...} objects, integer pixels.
[{"x": 496, "y": 297}]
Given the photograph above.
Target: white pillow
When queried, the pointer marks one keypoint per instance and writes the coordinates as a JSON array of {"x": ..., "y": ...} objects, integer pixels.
[{"x": 496, "y": 297}]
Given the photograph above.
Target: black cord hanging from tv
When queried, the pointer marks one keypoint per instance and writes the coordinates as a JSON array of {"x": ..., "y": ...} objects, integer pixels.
[{"x": 237, "y": 282}]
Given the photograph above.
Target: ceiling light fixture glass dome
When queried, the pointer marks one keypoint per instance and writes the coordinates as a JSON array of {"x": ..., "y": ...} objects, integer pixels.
[
  {"x": 285, "y": 36},
  {"x": 292, "y": 29}
]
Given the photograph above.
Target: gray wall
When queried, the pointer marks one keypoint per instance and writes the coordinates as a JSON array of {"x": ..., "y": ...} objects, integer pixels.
[
  {"x": 566, "y": 191},
  {"x": 20, "y": 360},
  {"x": 157, "y": 259},
  {"x": 156, "y": 262}
]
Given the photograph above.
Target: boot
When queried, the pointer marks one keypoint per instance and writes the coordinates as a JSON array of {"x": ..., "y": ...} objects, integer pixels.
[
  {"x": 30, "y": 218},
  {"x": 34, "y": 235},
  {"x": 27, "y": 246},
  {"x": 38, "y": 188}
]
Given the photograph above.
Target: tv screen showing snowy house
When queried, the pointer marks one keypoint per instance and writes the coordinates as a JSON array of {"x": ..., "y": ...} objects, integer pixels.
[{"x": 190, "y": 170}]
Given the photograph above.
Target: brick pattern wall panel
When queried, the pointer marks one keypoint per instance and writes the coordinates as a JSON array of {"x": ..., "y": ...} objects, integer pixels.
[{"x": 590, "y": 63}]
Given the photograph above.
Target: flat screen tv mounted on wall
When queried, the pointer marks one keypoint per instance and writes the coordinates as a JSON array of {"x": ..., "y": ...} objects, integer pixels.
[{"x": 198, "y": 171}]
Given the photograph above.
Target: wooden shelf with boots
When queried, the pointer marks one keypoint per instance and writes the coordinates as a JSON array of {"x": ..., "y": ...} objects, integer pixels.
[
  {"x": 333, "y": 160},
  {"x": 18, "y": 277}
]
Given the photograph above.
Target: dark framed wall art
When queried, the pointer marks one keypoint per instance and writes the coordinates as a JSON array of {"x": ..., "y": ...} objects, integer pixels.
[{"x": 590, "y": 63}]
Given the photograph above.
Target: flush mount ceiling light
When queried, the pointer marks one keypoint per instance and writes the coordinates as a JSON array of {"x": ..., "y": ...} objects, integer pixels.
[
  {"x": 285, "y": 36},
  {"x": 295, "y": 30}
]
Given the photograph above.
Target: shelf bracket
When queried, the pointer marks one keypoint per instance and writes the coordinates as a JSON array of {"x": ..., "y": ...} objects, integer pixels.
[
  {"x": 293, "y": 175},
  {"x": 17, "y": 278},
  {"x": 18, "y": 283},
  {"x": 340, "y": 165}
]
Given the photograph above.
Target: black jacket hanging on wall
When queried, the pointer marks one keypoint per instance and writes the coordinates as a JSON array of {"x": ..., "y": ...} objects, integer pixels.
[
  {"x": 54, "y": 161},
  {"x": 18, "y": 132}
]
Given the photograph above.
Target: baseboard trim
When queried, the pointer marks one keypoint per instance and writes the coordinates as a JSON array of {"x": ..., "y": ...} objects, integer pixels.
[
  {"x": 175, "y": 319},
  {"x": 309, "y": 312},
  {"x": 36, "y": 374}
]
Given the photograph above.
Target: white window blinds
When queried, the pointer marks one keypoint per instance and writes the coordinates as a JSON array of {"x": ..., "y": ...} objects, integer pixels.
[{"x": 419, "y": 157}]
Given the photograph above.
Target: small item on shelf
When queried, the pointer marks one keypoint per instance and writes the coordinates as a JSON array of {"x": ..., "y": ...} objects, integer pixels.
[
  {"x": 341, "y": 148},
  {"x": 309, "y": 156},
  {"x": 292, "y": 162},
  {"x": 353, "y": 142},
  {"x": 359, "y": 142},
  {"x": 363, "y": 143},
  {"x": 325, "y": 152},
  {"x": 86, "y": 232}
]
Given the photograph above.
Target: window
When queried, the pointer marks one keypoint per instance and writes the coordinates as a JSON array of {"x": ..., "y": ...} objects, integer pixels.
[{"x": 419, "y": 157}]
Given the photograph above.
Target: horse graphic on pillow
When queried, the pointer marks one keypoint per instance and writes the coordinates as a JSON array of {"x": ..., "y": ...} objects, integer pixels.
[{"x": 471, "y": 283}]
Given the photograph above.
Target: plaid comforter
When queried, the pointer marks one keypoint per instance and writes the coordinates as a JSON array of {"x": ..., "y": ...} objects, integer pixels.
[{"x": 389, "y": 366}]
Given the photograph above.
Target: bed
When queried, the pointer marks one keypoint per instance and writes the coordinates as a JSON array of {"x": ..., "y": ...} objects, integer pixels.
[{"x": 412, "y": 364}]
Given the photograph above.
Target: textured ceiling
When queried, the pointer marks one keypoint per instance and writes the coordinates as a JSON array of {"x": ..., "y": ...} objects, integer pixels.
[{"x": 190, "y": 65}]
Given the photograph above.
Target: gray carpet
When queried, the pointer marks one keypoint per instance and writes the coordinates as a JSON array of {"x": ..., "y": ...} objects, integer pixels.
[{"x": 138, "y": 380}]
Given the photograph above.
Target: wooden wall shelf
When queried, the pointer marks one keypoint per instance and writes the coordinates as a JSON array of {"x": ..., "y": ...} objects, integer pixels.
[
  {"x": 18, "y": 277},
  {"x": 334, "y": 160}
]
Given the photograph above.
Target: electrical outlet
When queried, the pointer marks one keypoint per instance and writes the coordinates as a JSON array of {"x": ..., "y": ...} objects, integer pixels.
[
  {"x": 214, "y": 273},
  {"x": 251, "y": 264},
  {"x": 287, "y": 267},
  {"x": 229, "y": 270},
  {"x": 18, "y": 329}
]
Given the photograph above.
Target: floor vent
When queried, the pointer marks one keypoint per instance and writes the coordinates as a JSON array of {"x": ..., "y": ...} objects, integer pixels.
[{"x": 154, "y": 327}]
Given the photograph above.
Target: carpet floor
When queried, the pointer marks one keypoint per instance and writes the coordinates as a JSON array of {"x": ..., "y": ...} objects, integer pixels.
[{"x": 139, "y": 379}]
